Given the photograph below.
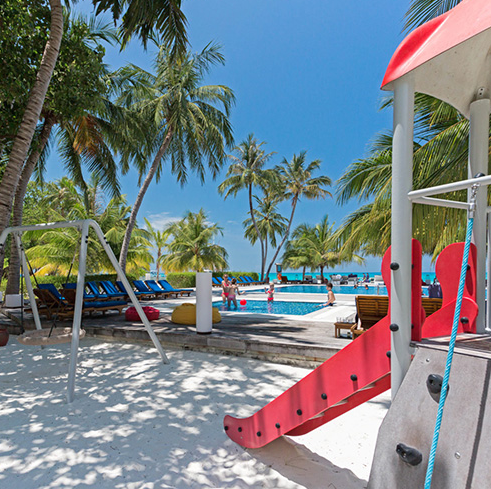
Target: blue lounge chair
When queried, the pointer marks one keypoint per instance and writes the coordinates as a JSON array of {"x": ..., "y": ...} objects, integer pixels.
[
  {"x": 168, "y": 288},
  {"x": 143, "y": 295},
  {"x": 141, "y": 287},
  {"x": 155, "y": 287},
  {"x": 93, "y": 306},
  {"x": 53, "y": 291},
  {"x": 110, "y": 289},
  {"x": 215, "y": 282},
  {"x": 73, "y": 286}
]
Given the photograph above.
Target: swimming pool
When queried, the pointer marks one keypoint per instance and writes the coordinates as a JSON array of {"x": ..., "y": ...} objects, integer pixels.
[
  {"x": 273, "y": 307},
  {"x": 322, "y": 289}
]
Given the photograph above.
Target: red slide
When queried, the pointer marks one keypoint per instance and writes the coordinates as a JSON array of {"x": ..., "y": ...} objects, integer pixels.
[{"x": 356, "y": 374}]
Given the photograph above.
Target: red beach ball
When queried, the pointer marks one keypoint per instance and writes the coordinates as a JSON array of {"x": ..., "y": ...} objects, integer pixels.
[{"x": 243, "y": 302}]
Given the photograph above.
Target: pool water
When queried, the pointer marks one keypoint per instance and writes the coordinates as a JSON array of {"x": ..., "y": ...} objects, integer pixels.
[
  {"x": 322, "y": 289},
  {"x": 273, "y": 307}
]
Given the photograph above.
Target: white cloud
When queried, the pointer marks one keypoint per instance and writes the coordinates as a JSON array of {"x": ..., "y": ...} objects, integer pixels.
[{"x": 160, "y": 220}]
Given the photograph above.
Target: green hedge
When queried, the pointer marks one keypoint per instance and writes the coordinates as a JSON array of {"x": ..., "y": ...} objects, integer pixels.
[{"x": 188, "y": 279}]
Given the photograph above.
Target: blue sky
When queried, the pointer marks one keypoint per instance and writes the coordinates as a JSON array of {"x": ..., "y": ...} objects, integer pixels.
[{"x": 306, "y": 76}]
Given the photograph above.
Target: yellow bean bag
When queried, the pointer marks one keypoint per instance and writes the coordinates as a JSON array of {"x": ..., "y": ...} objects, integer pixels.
[{"x": 186, "y": 314}]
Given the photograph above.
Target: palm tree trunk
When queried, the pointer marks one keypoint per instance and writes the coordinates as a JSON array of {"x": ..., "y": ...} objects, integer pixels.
[
  {"x": 303, "y": 274},
  {"x": 20, "y": 193},
  {"x": 23, "y": 139},
  {"x": 322, "y": 273},
  {"x": 287, "y": 233},
  {"x": 139, "y": 199},
  {"x": 263, "y": 256}
]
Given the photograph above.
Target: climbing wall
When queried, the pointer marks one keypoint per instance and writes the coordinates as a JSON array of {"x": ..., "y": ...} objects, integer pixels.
[{"x": 404, "y": 440}]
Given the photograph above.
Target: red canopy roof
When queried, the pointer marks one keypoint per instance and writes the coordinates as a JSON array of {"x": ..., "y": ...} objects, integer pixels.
[{"x": 449, "y": 56}]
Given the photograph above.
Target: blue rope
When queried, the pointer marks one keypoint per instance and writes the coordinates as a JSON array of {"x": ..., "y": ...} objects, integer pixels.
[{"x": 453, "y": 337}]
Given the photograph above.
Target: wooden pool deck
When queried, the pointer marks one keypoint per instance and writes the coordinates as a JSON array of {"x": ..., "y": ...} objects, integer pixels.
[{"x": 292, "y": 340}]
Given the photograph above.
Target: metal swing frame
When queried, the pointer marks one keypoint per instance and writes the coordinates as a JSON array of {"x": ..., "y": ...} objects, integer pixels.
[{"x": 83, "y": 226}]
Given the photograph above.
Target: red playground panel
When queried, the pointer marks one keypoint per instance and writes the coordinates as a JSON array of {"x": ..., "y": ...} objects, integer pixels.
[{"x": 358, "y": 372}]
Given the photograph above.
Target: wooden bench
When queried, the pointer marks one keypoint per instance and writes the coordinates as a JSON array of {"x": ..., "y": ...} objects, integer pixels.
[{"x": 372, "y": 308}]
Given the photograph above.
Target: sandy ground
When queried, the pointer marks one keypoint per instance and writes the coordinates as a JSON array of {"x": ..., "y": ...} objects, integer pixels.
[{"x": 136, "y": 423}]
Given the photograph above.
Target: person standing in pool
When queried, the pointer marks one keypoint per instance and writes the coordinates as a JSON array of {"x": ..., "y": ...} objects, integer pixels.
[
  {"x": 225, "y": 288},
  {"x": 270, "y": 292},
  {"x": 233, "y": 291},
  {"x": 330, "y": 296}
]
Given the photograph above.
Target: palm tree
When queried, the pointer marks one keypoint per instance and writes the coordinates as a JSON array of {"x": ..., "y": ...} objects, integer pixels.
[
  {"x": 140, "y": 17},
  {"x": 324, "y": 248},
  {"x": 159, "y": 241},
  {"x": 297, "y": 254},
  {"x": 440, "y": 154},
  {"x": 246, "y": 172},
  {"x": 269, "y": 222},
  {"x": 191, "y": 246},
  {"x": 75, "y": 96},
  {"x": 298, "y": 183},
  {"x": 189, "y": 121},
  {"x": 55, "y": 249}
]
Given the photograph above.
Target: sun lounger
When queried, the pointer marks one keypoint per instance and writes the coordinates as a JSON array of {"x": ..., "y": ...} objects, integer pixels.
[
  {"x": 215, "y": 282},
  {"x": 155, "y": 287},
  {"x": 251, "y": 280},
  {"x": 94, "y": 306},
  {"x": 49, "y": 304},
  {"x": 143, "y": 295},
  {"x": 168, "y": 287},
  {"x": 110, "y": 289},
  {"x": 370, "y": 310},
  {"x": 141, "y": 287}
]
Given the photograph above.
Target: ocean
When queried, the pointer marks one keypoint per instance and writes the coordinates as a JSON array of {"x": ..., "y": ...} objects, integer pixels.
[{"x": 298, "y": 276}]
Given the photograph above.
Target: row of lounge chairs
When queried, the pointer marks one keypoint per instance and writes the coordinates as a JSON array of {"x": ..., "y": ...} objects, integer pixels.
[
  {"x": 242, "y": 280},
  {"x": 101, "y": 297}
]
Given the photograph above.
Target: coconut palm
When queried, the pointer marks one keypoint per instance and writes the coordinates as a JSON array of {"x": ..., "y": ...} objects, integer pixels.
[
  {"x": 269, "y": 222},
  {"x": 158, "y": 240},
  {"x": 440, "y": 154},
  {"x": 297, "y": 254},
  {"x": 247, "y": 172},
  {"x": 55, "y": 249},
  {"x": 189, "y": 122},
  {"x": 139, "y": 17},
  {"x": 191, "y": 245},
  {"x": 299, "y": 182}
]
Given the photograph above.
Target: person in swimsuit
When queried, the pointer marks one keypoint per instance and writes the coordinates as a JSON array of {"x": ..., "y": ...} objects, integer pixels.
[
  {"x": 330, "y": 296},
  {"x": 233, "y": 291},
  {"x": 225, "y": 288},
  {"x": 270, "y": 291}
]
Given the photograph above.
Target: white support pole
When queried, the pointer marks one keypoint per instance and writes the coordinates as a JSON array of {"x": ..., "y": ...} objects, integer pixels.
[
  {"x": 129, "y": 290},
  {"x": 204, "y": 309},
  {"x": 402, "y": 178},
  {"x": 488, "y": 286},
  {"x": 478, "y": 163},
  {"x": 30, "y": 291},
  {"x": 77, "y": 312}
]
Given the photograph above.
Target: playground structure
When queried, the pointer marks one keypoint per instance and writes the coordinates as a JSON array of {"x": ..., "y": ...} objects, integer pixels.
[
  {"x": 74, "y": 336},
  {"x": 447, "y": 58}
]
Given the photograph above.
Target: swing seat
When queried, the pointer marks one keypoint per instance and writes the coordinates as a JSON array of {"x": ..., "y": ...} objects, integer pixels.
[{"x": 42, "y": 336}]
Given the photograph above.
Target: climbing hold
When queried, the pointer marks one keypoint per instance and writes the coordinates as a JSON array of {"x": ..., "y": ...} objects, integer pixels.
[
  {"x": 394, "y": 266},
  {"x": 394, "y": 327},
  {"x": 324, "y": 396},
  {"x": 258, "y": 433},
  {"x": 434, "y": 385},
  {"x": 388, "y": 353},
  {"x": 299, "y": 412},
  {"x": 225, "y": 428},
  {"x": 408, "y": 454},
  {"x": 353, "y": 377},
  {"x": 239, "y": 429},
  {"x": 479, "y": 175},
  {"x": 277, "y": 425},
  {"x": 464, "y": 320}
]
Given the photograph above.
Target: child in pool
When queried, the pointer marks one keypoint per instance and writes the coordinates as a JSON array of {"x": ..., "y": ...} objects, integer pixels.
[
  {"x": 225, "y": 288},
  {"x": 330, "y": 296},
  {"x": 270, "y": 291},
  {"x": 233, "y": 291}
]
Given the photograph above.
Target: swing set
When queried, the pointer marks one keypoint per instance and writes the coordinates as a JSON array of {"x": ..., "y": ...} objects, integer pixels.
[{"x": 54, "y": 335}]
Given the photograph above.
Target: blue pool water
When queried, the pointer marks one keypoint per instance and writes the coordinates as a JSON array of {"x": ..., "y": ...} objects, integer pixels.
[
  {"x": 337, "y": 289},
  {"x": 274, "y": 307}
]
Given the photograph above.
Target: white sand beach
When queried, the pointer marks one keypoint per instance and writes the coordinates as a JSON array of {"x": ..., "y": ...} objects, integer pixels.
[{"x": 137, "y": 423}]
